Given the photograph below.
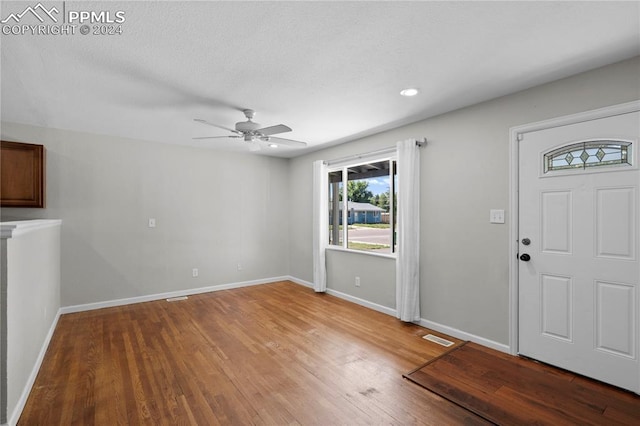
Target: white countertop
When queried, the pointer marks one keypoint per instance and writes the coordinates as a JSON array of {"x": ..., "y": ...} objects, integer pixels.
[{"x": 16, "y": 228}]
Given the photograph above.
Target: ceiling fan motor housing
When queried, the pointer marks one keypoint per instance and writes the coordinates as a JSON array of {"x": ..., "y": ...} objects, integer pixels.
[{"x": 247, "y": 126}]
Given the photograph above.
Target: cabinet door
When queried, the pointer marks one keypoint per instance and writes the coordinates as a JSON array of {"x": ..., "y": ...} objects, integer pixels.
[{"x": 22, "y": 175}]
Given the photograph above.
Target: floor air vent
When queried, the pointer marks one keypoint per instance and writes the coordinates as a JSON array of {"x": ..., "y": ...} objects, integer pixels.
[
  {"x": 438, "y": 340},
  {"x": 175, "y": 299}
]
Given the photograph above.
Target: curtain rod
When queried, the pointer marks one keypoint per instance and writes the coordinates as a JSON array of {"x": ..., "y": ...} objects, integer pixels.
[{"x": 419, "y": 143}]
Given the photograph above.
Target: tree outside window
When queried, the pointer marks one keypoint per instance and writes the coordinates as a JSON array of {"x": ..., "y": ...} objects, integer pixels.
[{"x": 368, "y": 222}]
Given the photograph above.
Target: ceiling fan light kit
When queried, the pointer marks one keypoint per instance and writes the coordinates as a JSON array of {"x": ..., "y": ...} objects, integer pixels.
[
  {"x": 253, "y": 133},
  {"x": 408, "y": 92}
]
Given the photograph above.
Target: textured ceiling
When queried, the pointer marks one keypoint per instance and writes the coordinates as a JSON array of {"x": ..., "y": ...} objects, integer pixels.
[{"x": 332, "y": 71}]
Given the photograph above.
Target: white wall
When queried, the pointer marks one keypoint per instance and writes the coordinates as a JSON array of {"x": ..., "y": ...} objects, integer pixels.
[
  {"x": 344, "y": 267},
  {"x": 32, "y": 303},
  {"x": 464, "y": 174},
  {"x": 213, "y": 210}
]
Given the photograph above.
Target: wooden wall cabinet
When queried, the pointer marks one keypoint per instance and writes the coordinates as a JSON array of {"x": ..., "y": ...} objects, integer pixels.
[{"x": 22, "y": 175}]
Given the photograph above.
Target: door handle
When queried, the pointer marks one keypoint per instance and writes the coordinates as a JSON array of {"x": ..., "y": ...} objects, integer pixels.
[{"x": 525, "y": 257}]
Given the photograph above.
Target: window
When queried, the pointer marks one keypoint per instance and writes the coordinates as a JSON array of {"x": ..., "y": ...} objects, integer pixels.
[
  {"x": 368, "y": 223},
  {"x": 597, "y": 153}
]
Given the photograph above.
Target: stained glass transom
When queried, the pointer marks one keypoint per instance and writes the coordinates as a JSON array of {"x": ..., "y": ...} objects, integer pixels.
[{"x": 588, "y": 154}]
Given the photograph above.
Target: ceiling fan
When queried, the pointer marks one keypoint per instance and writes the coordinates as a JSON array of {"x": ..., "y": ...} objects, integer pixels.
[{"x": 252, "y": 133}]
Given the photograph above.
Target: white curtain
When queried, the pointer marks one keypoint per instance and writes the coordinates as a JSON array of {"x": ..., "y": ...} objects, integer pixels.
[
  {"x": 408, "y": 234},
  {"x": 320, "y": 224}
]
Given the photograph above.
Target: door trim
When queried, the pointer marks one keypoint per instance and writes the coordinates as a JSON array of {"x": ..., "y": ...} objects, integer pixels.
[{"x": 514, "y": 136}]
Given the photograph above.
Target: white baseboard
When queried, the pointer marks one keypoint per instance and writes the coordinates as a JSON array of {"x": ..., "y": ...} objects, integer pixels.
[
  {"x": 301, "y": 282},
  {"x": 362, "y": 302},
  {"x": 348, "y": 297},
  {"x": 17, "y": 410},
  {"x": 168, "y": 295},
  {"x": 463, "y": 335},
  {"x": 453, "y": 332}
]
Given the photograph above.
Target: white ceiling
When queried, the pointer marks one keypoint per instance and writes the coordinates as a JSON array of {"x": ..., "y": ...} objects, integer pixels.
[{"x": 332, "y": 71}]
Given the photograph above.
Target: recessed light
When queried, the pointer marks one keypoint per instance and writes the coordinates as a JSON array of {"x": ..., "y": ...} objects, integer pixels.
[
  {"x": 409, "y": 92},
  {"x": 273, "y": 145}
]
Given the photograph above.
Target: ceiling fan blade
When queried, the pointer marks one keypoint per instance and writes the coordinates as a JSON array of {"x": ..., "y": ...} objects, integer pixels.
[
  {"x": 287, "y": 142},
  {"x": 215, "y": 137},
  {"x": 272, "y": 130},
  {"x": 199, "y": 120}
]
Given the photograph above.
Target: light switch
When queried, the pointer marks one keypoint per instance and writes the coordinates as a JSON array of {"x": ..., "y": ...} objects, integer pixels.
[
  {"x": 496, "y": 216},
  {"x": 152, "y": 222}
]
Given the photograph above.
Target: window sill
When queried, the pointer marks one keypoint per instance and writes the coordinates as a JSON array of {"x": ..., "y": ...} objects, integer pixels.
[{"x": 368, "y": 253}]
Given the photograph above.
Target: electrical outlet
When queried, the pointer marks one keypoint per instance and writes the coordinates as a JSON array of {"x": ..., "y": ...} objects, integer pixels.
[
  {"x": 239, "y": 266},
  {"x": 194, "y": 272},
  {"x": 496, "y": 216},
  {"x": 357, "y": 281}
]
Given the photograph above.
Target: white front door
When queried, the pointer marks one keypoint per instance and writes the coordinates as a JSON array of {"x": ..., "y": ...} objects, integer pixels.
[{"x": 579, "y": 273}]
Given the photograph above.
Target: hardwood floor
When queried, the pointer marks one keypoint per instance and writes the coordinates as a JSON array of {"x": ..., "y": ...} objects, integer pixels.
[
  {"x": 509, "y": 390},
  {"x": 268, "y": 354}
]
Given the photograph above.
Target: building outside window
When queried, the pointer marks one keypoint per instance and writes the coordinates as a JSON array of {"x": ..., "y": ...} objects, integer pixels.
[{"x": 368, "y": 223}]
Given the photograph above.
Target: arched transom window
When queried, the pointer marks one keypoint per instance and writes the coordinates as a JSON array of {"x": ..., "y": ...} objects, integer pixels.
[{"x": 582, "y": 155}]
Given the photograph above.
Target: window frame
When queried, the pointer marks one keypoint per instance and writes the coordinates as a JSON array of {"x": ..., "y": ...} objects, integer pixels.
[{"x": 344, "y": 166}]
